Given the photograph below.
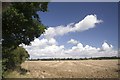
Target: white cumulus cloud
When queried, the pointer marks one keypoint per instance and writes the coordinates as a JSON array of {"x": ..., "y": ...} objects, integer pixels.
[
  {"x": 48, "y": 47},
  {"x": 88, "y": 22},
  {"x": 106, "y": 46},
  {"x": 79, "y": 50},
  {"x": 72, "y": 41}
]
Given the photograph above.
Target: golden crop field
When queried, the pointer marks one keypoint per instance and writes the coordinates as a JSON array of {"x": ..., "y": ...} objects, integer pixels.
[{"x": 71, "y": 69}]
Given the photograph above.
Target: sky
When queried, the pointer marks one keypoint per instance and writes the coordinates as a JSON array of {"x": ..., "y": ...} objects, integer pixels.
[{"x": 77, "y": 30}]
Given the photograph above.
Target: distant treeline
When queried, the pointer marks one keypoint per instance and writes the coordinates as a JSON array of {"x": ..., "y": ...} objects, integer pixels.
[{"x": 92, "y": 58}]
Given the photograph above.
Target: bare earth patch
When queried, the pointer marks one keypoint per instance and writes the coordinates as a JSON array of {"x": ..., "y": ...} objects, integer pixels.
[{"x": 72, "y": 69}]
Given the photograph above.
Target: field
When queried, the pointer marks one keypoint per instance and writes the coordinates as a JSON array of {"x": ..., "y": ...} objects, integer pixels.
[{"x": 71, "y": 69}]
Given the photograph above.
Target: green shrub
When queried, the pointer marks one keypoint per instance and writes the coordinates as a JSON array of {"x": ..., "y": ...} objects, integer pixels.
[{"x": 13, "y": 59}]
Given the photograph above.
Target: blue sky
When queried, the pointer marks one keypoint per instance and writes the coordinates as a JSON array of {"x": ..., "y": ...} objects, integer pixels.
[
  {"x": 67, "y": 12},
  {"x": 101, "y": 38}
]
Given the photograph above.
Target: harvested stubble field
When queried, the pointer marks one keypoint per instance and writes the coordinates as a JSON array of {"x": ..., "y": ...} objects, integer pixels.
[{"x": 72, "y": 69}]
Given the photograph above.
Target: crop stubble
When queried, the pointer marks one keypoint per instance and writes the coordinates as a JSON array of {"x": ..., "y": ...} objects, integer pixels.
[{"x": 72, "y": 69}]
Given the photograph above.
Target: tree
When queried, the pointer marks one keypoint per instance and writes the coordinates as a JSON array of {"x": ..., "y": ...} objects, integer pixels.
[
  {"x": 14, "y": 58},
  {"x": 20, "y": 24}
]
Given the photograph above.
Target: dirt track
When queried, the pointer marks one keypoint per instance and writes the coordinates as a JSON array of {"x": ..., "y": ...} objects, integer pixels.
[{"x": 72, "y": 69}]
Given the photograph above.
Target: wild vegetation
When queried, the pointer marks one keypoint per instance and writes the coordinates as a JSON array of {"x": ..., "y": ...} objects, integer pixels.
[{"x": 20, "y": 24}]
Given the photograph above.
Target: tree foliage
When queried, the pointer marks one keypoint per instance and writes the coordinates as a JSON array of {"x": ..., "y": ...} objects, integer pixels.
[
  {"x": 20, "y": 24},
  {"x": 15, "y": 57}
]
